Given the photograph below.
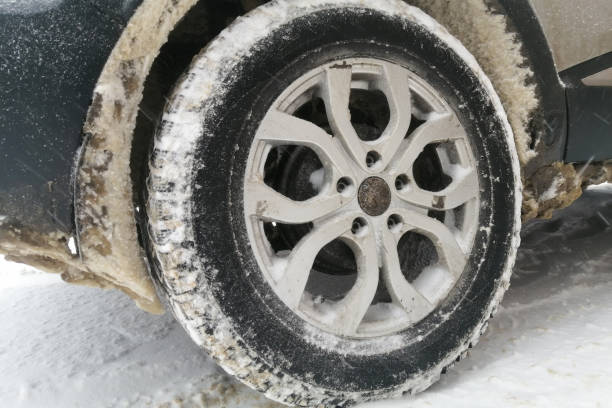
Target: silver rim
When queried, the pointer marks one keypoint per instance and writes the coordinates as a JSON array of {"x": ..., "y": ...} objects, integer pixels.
[{"x": 367, "y": 195}]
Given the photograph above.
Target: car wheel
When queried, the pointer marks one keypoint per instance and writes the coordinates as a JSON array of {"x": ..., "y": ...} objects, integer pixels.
[{"x": 334, "y": 200}]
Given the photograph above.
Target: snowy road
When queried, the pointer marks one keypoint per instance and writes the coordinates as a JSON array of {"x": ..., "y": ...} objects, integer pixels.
[{"x": 550, "y": 345}]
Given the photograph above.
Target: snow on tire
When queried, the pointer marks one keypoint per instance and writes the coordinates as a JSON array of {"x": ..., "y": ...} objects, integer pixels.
[{"x": 334, "y": 200}]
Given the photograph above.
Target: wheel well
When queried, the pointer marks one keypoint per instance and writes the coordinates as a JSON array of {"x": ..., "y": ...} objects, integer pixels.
[{"x": 140, "y": 73}]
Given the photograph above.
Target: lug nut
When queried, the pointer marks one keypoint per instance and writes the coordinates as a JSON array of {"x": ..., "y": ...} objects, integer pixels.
[
  {"x": 358, "y": 225},
  {"x": 372, "y": 158},
  {"x": 343, "y": 184},
  {"x": 394, "y": 222},
  {"x": 401, "y": 182}
]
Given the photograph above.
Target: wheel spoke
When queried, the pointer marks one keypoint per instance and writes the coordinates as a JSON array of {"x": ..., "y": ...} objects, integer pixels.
[
  {"x": 402, "y": 292},
  {"x": 444, "y": 240},
  {"x": 441, "y": 128},
  {"x": 269, "y": 205},
  {"x": 396, "y": 89},
  {"x": 280, "y": 128},
  {"x": 459, "y": 192},
  {"x": 292, "y": 283},
  {"x": 351, "y": 310},
  {"x": 336, "y": 94}
]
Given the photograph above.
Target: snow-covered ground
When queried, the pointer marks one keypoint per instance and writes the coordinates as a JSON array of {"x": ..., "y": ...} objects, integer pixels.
[{"x": 550, "y": 345}]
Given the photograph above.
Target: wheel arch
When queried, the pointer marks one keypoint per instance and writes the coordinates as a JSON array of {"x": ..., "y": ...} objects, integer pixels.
[
  {"x": 104, "y": 215},
  {"x": 116, "y": 133},
  {"x": 118, "y": 119}
]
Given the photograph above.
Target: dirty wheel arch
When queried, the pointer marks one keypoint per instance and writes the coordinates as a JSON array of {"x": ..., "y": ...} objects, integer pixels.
[
  {"x": 105, "y": 218},
  {"x": 104, "y": 210}
]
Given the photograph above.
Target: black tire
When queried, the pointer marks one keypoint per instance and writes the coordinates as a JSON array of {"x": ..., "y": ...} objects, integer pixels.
[{"x": 197, "y": 229}]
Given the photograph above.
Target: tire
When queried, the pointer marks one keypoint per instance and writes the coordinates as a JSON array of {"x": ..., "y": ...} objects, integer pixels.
[{"x": 208, "y": 228}]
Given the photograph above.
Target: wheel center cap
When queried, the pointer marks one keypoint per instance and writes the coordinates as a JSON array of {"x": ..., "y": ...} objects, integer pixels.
[{"x": 374, "y": 196}]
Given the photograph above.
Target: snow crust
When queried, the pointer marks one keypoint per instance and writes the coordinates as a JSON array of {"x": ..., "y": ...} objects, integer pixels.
[
  {"x": 317, "y": 179},
  {"x": 72, "y": 346},
  {"x": 13, "y": 275},
  {"x": 550, "y": 344},
  {"x": 553, "y": 190},
  {"x": 604, "y": 187}
]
